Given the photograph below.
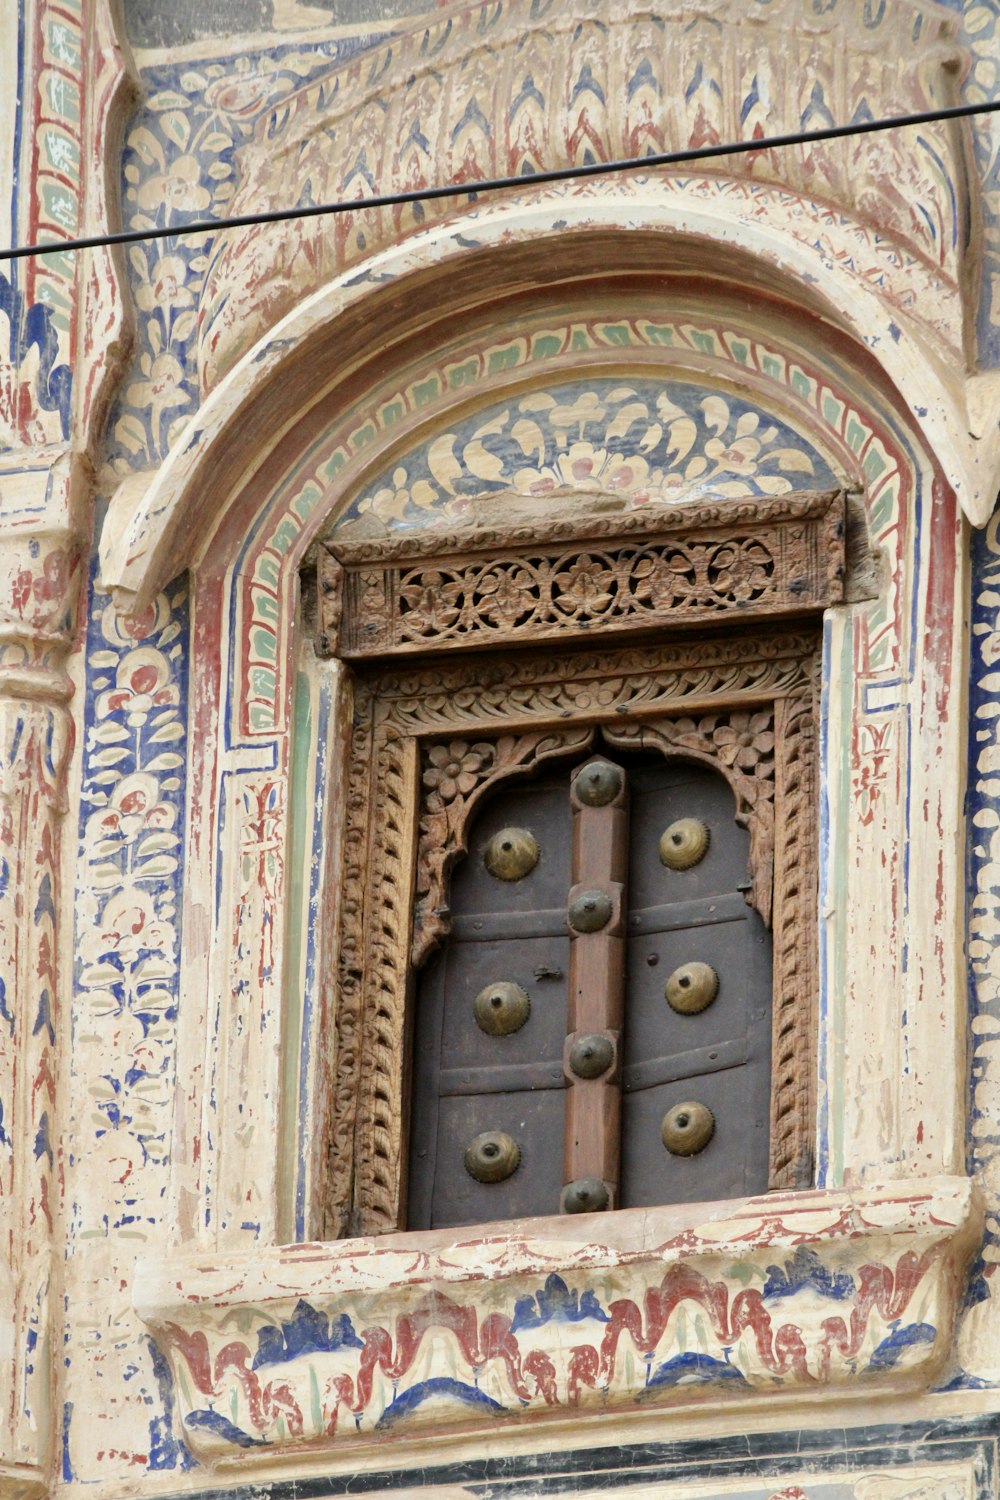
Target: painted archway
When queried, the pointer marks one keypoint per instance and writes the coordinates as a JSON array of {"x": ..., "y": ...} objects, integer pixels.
[{"x": 336, "y": 418}]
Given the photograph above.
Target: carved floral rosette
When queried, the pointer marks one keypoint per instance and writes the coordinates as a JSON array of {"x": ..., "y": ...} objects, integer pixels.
[{"x": 684, "y": 565}]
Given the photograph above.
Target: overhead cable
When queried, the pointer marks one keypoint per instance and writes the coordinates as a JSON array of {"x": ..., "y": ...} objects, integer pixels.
[{"x": 498, "y": 184}]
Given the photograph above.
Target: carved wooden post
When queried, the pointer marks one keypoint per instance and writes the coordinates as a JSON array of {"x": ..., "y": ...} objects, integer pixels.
[
  {"x": 38, "y": 500},
  {"x": 599, "y": 798}
]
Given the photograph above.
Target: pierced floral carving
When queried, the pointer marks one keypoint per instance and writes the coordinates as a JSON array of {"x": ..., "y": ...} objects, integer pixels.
[{"x": 697, "y": 564}]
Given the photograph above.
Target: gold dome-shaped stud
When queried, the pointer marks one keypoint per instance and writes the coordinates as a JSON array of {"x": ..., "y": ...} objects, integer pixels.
[
  {"x": 684, "y": 843},
  {"x": 587, "y": 1195},
  {"x": 591, "y": 1055},
  {"x": 687, "y": 1128},
  {"x": 597, "y": 783},
  {"x": 691, "y": 988},
  {"x": 511, "y": 854},
  {"x": 501, "y": 1008},
  {"x": 590, "y": 911},
  {"x": 492, "y": 1157}
]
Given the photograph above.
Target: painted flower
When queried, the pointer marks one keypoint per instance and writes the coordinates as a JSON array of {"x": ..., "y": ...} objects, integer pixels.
[
  {"x": 178, "y": 189},
  {"x": 431, "y": 602},
  {"x": 745, "y": 740},
  {"x": 142, "y": 683},
  {"x": 585, "y": 587},
  {"x": 455, "y": 768},
  {"x": 737, "y": 457},
  {"x": 662, "y": 488},
  {"x": 584, "y": 467},
  {"x": 506, "y": 595},
  {"x": 135, "y": 807},
  {"x": 742, "y": 571},
  {"x": 253, "y": 83},
  {"x": 163, "y": 389},
  {"x": 166, "y": 289}
]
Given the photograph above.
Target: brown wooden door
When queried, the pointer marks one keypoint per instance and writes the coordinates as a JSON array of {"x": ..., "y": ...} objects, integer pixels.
[{"x": 469, "y": 1082}]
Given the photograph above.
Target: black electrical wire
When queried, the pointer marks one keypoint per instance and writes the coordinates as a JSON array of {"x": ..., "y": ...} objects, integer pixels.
[{"x": 496, "y": 184}]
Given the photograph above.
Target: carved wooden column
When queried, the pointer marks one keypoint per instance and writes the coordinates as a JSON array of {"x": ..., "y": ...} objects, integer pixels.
[{"x": 39, "y": 573}]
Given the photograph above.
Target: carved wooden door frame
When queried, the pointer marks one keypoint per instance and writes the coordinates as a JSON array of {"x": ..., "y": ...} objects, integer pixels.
[{"x": 747, "y": 706}]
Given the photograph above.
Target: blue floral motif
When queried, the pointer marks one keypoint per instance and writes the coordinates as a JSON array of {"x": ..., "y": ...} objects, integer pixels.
[
  {"x": 307, "y": 1331},
  {"x": 555, "y": 1303},
  {"x": 806, "y": 1270}
]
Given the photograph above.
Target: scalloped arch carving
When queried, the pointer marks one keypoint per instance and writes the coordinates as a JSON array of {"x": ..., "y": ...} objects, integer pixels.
[{"x": 524, "y": 86}]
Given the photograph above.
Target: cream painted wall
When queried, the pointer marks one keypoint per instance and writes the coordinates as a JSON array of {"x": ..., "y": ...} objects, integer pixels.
[{"x": 142, "y": 1115}]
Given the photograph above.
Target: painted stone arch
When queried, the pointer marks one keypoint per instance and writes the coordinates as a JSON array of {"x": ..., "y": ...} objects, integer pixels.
[{"x": 659, "y": 385}]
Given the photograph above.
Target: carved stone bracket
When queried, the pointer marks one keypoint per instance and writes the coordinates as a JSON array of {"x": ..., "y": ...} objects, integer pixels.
[{"x": 325, "y": 1348}]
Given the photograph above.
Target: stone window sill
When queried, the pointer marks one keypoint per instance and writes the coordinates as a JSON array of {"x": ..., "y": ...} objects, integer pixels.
[{"x": 332, "y": 1345}]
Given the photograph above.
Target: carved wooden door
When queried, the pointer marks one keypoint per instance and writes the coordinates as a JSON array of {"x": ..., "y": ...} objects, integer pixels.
[{"x": 595, "y": 1032}]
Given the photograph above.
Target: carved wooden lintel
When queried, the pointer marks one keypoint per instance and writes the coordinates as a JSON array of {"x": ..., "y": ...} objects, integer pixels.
[{"x": 621, "y": 572}]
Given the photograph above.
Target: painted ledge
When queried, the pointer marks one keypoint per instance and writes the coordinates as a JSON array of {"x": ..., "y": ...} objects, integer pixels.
[{"x": 328, "y": 1344}]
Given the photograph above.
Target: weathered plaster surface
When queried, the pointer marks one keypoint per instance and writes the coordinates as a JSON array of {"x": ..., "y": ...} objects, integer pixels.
[
  {"x": 784, "y": 1293},
  {"x": 153, "y": 1096}
]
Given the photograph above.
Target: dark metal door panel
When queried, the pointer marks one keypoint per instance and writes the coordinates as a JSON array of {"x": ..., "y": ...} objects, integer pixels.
[
  {"x": 734, "y": 1162},
  {"x": 660, "y": 795},
  {"x": 735, "y": 943},
  {"x": 466, "y": 1081},
  {"x": 719, "y": 1056},
  {"x": 535, "y": 1121},
  {"x": 468, "y": 967},
  {"x": 543, "y": 808}
]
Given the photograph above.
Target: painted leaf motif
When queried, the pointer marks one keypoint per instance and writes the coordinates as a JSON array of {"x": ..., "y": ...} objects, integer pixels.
[
  {"x": 109, "y": 757},
  {"x": 716, "y": 412},
  {"x": 528, "y": 436},
  {"x": 791, "y": 460},
  {"x": 159, "y": 865},
  {"x": 683, "y": 434},
  {"x": 442, "y": 462},
  {"x": 109, "y": 733},
  {"x": 623, "y": 419},
  {"x": 168, "y": 761}
]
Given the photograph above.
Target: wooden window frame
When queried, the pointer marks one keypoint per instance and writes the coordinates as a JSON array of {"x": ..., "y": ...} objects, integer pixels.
[{"x": 657, "y": 687}]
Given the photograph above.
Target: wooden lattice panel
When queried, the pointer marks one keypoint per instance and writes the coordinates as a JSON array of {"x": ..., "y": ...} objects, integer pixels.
[{"x": 689, "y": 565}]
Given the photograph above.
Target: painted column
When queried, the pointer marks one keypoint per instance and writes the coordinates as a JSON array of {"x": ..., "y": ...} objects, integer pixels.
[
  {"x": 63, "y": 85},
  {"x": 40, "y": 501}
]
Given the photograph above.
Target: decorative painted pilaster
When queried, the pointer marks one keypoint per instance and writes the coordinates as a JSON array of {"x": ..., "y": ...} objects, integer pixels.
[{"x": 40, "y": 499}]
